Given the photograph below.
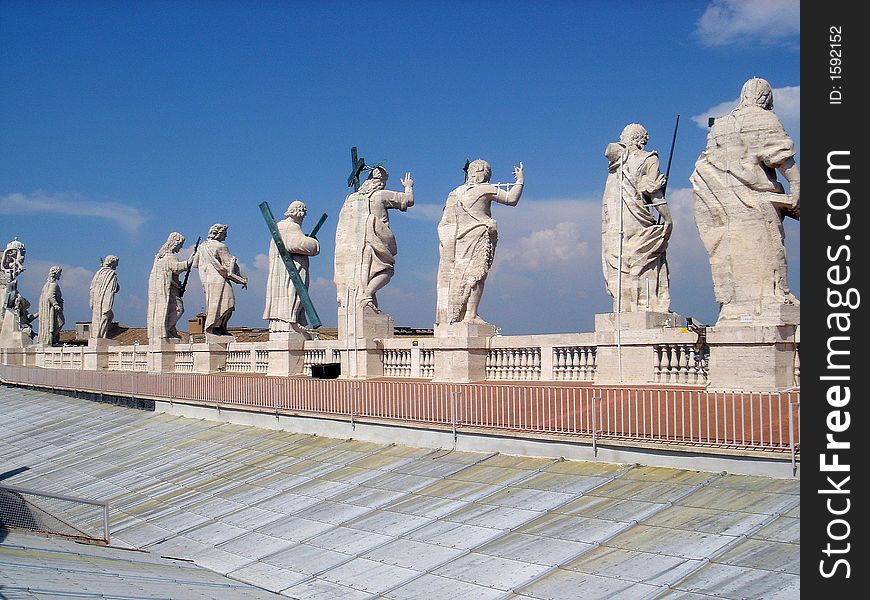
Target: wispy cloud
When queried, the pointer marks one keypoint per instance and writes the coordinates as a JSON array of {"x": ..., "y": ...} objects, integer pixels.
[
  {"x": 765, "y": 22},
  {"x": 786, "y": 104},
  {"x": 127, "y": 217}
]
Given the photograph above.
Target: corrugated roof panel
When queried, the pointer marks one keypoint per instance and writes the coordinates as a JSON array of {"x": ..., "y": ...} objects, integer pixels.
[
  {"x": 528, "y": 498},
  {"x": 738, "y": 582},
  {"x": 533, "y": 549},
  {"x": 319, "y": 589},
  {"x": 435, "y": 587},
  {"x": 598, "y": 507},
  {"x": 295, "y": 529},
  {"x": 412, "y": 554},
  {"x": 570, "y": 528},
  {"x": 368, "y": 575},
  {"x": 616, "y": 563},
  {"x": 388, "y": 522},
  {"x": 268, "y": 576},
  {"x": 490, "y": 571},
  {"x": 644, "y": 491},
  {"x": 349, "y": 540},
  {"x": 306, "y": 559},
  {"x": 426, "y": 506},
  {"x": 717, "y": 498},
  {"x": 673, "y": 542},
  {"x": 761, "y": 554},
  {"x": 707, "y": 520},
  {"x": 454, "y": 535},
  {"x": 783, "y": 529},
  {"x": 571, "y": 585},
  {"x": 497, "y": 517}
]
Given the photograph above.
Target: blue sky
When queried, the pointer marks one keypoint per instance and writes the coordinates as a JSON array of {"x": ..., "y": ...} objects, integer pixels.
[{"x": 121, "y": 122}]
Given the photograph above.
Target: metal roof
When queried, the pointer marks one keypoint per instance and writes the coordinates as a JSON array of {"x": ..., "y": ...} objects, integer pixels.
[{"x": 319, "y": 518}]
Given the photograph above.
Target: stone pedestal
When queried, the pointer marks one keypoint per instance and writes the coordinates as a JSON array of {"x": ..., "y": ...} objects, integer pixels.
[
  {"x": 161, "y": 356},
  {"x": 628, "y": 358},
  {"x": 286, "y": 353},
  {"x": 95, "y": 355},
  {"x": 462, "y": 350},
  {"x": 770, "y": 314},
  {"x": 752, "y": 357},
  {"x": 209, "y": 358},
  {"x": 360, "y": 332}
]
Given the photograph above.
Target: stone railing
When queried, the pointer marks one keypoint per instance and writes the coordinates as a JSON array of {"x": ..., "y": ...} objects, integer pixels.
[
  {"x": 679, "y": 363},
  {"x": 513, "y": 364},
  {"x": 655, "y": 356},
  {"x": 574, "y": 363}
]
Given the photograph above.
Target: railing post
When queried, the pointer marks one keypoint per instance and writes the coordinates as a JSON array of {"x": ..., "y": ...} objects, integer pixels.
[
  {"x": 106, "y": 534},
  {"x": 791, "y": 437},
  {"x": 594, "y": 424}
]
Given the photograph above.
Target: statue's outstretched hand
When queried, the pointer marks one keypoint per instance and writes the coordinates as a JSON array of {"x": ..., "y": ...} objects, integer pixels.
[
  {"x": 407, "y": 181},
  {"x": 518, "y": 173}
]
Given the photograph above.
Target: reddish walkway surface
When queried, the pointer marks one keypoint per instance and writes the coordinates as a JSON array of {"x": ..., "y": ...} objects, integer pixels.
[{"x": 743, "y": 421}]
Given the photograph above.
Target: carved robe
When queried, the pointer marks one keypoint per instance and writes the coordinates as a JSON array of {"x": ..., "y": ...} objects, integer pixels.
[
  {"x": 645, "y": 239},
  {"x": 51, "y": 319},
  {"x": 104, "y": 286},
  {"x": 216, "y": 265},
  {"x": 283, "y": 304},
  {"x": 165, "y": 306},
  {"x": 735, "y": 185}
]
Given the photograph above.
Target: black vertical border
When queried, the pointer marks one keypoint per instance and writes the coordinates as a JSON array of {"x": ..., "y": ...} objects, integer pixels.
[{"x": 827, "y": 127}]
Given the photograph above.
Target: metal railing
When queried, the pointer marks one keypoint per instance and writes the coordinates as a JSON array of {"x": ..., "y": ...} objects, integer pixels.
[
  {"x": 753, "y": 421},
  {"x": 54, "y": 513}
]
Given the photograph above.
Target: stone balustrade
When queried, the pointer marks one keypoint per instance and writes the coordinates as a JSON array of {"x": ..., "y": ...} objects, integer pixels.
[{"x": 665, "y": 356}]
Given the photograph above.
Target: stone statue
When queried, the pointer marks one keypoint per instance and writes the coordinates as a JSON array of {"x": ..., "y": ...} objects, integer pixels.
[
  {"x": 104, "y": 286},
  {"x": 634, "y": 180},
  {"x": 365, "y": 247},
  {"x": 51, "y": 319},
  {"x": 218, "y": 269},
  {"x": 15, "y": 317},
  {"x": 740, "y": 206},
  {"x": 468, "y": 236},
  {"x": 283, "y": 305},
  {"x": 165, "y": 305}
]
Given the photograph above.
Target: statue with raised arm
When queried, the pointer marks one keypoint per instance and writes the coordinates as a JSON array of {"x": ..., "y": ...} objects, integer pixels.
[
  {"x": 165, "y": 304},
  {"x": 15, "y": 318},
  {"x": 467, "y": 235},
  {"x": 218, "y": 270},
  {"x": 104, "y": 286},
  {"x": 636, "y": 273},
  {"x": 283, "y": 305},
  {"x": 740, "y": 206},
  {"x": 365, "y": 247},
  {"x": 51, "y": 319}
]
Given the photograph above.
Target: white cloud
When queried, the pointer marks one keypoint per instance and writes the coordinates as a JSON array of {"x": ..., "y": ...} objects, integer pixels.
[
  {"x": 261, "y": 262},
  {"x": 127, "y": 217},
  {"x": 426, "y": 212},
  {"x": 561, "y": 244},
  {"x": 786, "y": 104},
  {"x": 757, "y": 21}
]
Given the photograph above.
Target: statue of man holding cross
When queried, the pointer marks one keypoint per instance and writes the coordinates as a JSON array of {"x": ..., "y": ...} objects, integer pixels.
[
  {"x": 283, "y": 303},
  {"x": 365, "y": 247}
]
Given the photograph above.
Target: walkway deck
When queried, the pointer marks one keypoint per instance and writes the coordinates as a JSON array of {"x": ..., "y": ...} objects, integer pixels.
[{"x": 313, "y": 517}]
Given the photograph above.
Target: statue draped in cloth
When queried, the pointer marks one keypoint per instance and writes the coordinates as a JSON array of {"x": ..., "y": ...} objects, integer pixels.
[
  {"x": 365, "y": 247},
  {"x": 51, "y": 319},
  {"x": 104, "y": 286},
  {"x": 165, "y": 305},
  {"x": 468, "y": 236},
  {"x": 217, "y": 270},
  {"x": 740, "y": 206},
  {"x": 283, "y": 305},
  {"x": 635, "y": 180}
]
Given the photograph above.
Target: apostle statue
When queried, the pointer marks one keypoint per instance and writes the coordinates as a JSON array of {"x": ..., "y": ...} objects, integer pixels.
[
  {"x": 365, "y": 247},
  {"x": 283, "y": 305},
  {"x": 104, "y": 286},
  {"x": 467, "y": 235},
  {"x": 51, "y": 319},
  {"x": 218, "y": 270},
  {"x": 165, "y": 304},
  {"x": 740, "y": 206},
  {"x": 636, "y": 225}
]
